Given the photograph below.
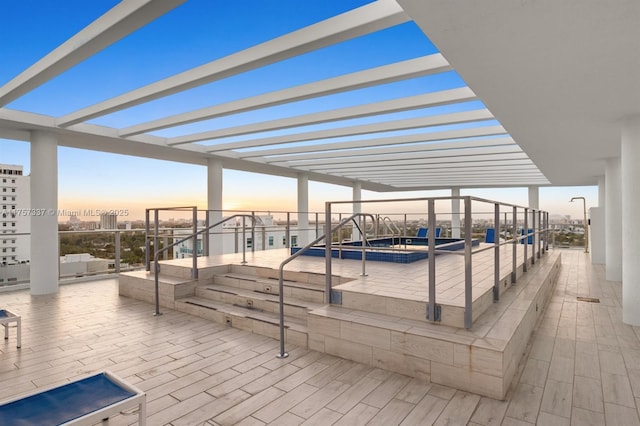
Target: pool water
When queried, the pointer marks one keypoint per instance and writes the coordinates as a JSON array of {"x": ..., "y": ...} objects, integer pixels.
[{"x": 406, "y": 249}]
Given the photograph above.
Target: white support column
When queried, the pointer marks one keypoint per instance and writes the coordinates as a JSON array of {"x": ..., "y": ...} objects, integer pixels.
[
  {"x": 303, "y": 210},
  {"x": 597, "y": 234},
  {"x": 357, "y": 208},
  {"x": 597, "y": 245},
  {"x": 602, "y": 191},
  {"x": 214, "y": 202},
  {"x": 613, "y": 221},
  {"x": 630, "y": 176},
  {"x": 45, "y": 247},
  {"x": 534, "y": 197},
  {"x": 455, "y": 213}
]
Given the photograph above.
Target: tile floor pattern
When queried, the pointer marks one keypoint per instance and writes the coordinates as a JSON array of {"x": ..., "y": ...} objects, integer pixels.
[{"x": 582, "y": 367}]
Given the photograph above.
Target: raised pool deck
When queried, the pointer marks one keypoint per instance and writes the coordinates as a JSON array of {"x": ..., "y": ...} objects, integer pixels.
[
  {"x": 407, "y": 282},
  {"x": 385, "y": 278},
  {"x": 378, "y": 319}
]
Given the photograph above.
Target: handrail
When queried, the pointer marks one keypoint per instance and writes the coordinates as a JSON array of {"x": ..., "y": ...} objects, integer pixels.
[
  {"x": 340, "y": 224},
  {"x": 389, "y": 224},
  {"x": 182, "y": 240},
  {"x": 362, "y": 232}
]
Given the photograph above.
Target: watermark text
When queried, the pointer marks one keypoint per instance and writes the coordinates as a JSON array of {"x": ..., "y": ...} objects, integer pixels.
[{"x": 70, "y": 213}]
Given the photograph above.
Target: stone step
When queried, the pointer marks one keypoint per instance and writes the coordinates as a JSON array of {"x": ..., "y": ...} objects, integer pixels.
[
  {"x": 255, "y": 299},
  {"x": 254, "y": 320},
  {"x": 306, "y": 277},
  {"x": 292, "y": 289},
  {"x": 185, "y": 269},
  {"x": 140, "y": 285}
]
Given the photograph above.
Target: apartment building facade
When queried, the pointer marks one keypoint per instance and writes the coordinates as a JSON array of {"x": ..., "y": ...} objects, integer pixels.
[{"x": 14, "y": 224}]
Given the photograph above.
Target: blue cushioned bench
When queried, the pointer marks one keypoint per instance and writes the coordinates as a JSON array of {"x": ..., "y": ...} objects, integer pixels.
[{"x": 83, "y": 402}]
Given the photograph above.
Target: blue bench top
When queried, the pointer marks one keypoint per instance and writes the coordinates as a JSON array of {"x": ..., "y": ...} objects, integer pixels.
[{"x": 64, "y": 403}]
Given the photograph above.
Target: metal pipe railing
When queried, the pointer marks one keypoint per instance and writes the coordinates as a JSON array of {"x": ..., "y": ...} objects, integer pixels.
[
  {"x": 514, "y": 256},
  {"x": 194, "y": 258},
  {"x": 496, "y": 254},
  {"x": 244, "y": 241},
  {"x": 389, "y": 226},
  {"x": 526, "y": 234},
  {"x": 533, "y": 237},
  {"x": 539, "y": 233},
  {"x": 328, "y": 247},
  {"x": 468, "y": 281},
  {"x": 195, "y": 254},
  {"x": 535, "y": 233},
  {"x": 432, "y": 315},
  {"x": 147, "y": 248}
]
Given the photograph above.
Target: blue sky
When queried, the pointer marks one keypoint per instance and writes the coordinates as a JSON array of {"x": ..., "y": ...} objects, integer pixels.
[{"x": 197, "y": 32}]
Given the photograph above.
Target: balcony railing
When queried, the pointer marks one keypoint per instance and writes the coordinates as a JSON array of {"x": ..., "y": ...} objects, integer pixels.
[{"x": 83, "y": 254}]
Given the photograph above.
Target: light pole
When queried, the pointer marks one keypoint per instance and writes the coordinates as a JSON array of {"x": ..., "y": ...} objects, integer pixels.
[{"x": 585, "y": 223}]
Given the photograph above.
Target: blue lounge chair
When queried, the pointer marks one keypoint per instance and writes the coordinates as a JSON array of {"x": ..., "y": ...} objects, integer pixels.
[
  {"x": 424, "y": 232},
  {"x": 86, "y": 401}
]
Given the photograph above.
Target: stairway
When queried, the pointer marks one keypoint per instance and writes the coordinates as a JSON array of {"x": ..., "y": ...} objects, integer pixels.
[{"x": 246, "y": 297}]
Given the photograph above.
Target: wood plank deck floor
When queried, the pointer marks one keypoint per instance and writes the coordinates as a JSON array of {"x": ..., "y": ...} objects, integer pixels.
[{"x": 582, "y": 367}]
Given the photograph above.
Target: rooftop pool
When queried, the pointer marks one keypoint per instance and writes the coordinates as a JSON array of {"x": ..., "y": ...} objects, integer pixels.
[{"x": 400, "y": 249}]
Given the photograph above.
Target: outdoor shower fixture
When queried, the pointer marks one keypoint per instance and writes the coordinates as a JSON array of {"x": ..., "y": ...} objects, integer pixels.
[{"x": 584, "y": 221}]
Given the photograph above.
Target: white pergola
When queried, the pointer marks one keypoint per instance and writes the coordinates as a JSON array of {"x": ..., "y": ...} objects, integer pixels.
[
  {"x": 554, "y": 88},
  {"x": 461, "y": 149}
]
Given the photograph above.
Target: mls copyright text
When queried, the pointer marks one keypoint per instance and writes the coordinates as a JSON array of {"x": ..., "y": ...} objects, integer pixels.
[{"x": 65, "y": 212}]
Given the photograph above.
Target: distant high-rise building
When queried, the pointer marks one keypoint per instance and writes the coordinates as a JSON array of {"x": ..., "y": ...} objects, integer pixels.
[
  {"x": 16, "y": 214},
  {"x": 74, "y": 222},
  {"x": 15, "y": 224},
  {"x": 108, "y": 221}
]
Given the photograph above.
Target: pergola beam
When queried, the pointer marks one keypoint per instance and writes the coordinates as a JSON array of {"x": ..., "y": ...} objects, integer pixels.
[
  {"x": 386, "y": 141},
  {"x": 426, "y": 171},
  {"x": 123, "y": 19},
  {"x": 362, "y": 129},
  {"x": 415, "y": 162},
  {"x": 399, "y": 151},
  {"x": 383, "y": 165},
  {"x": 435, "y": 153},
  {"x": 366, "y": 19},
  {"x": 468, "y": 183},
  {"x": 462, "y": 174},
  {"x": 403, "y": 70}
]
